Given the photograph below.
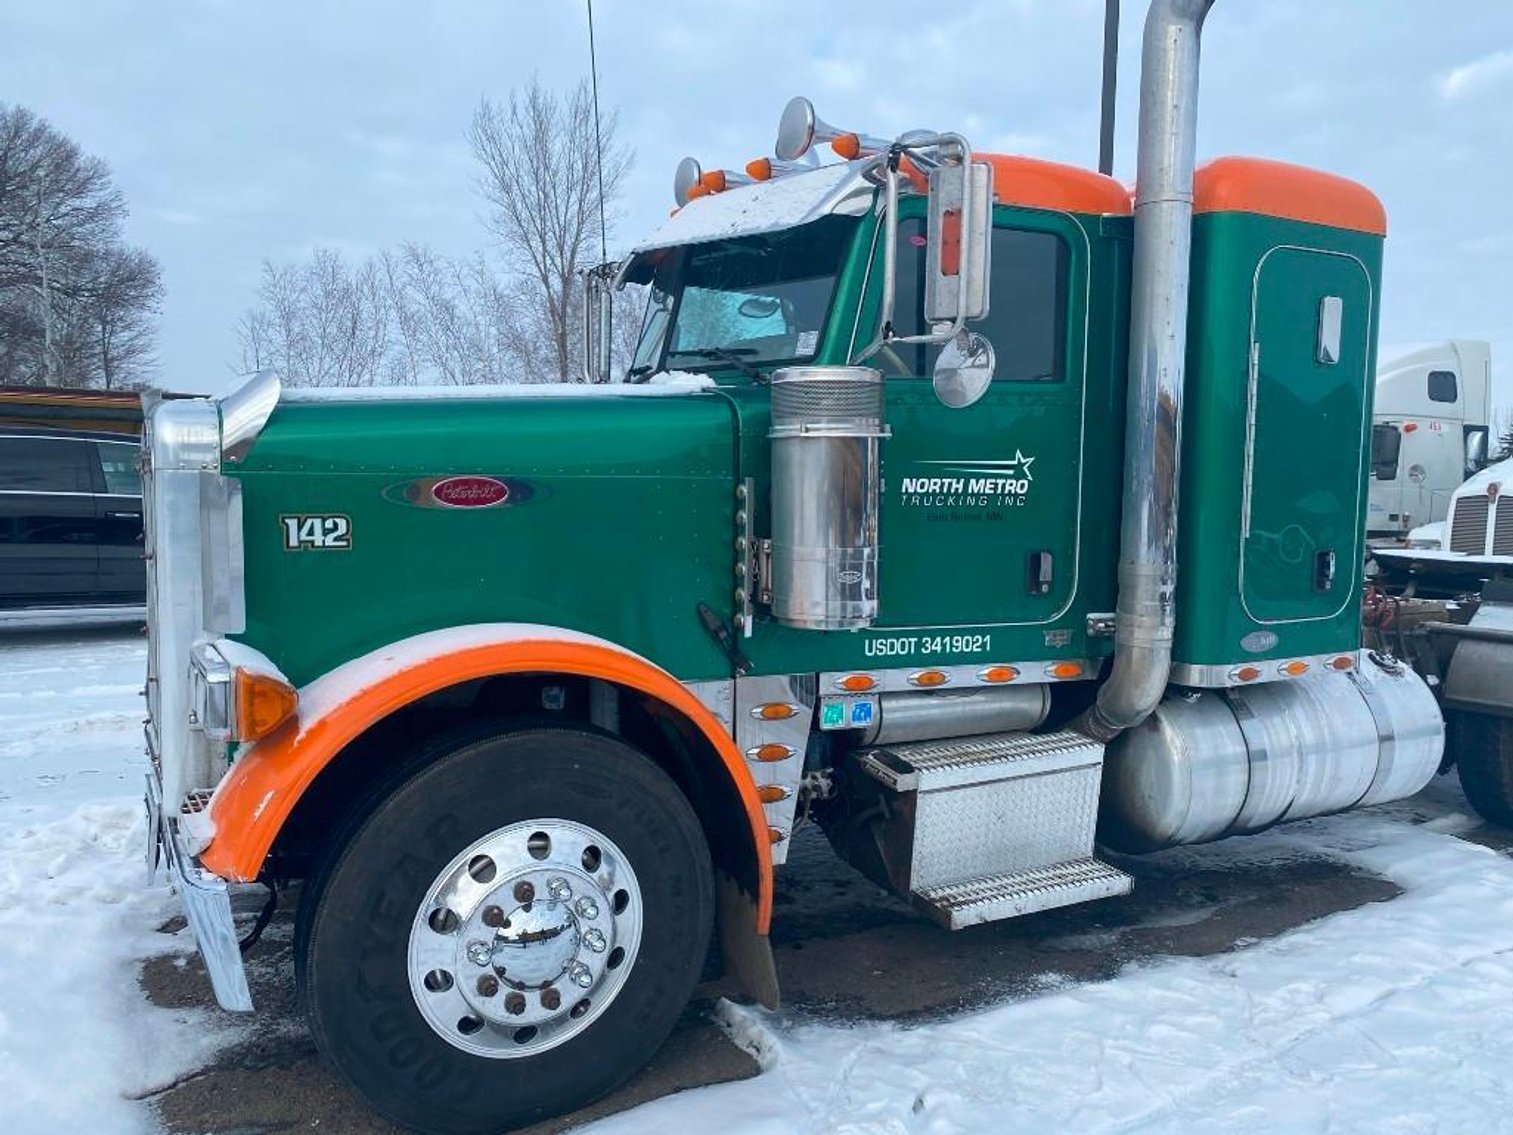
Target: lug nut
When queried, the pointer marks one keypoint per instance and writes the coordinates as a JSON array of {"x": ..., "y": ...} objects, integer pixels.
[
  {"x": 559, "y": 889},
  {"x": 488, "y": 985},
  {"x": 514, "y": 1004},
  {"x": 524, "y": 892},
  {"x": 551, "y": 999},
  {"x": 480, "y": 953},
  {"x": 586, "y": 908},
  {"x": 580, "y": 975},
  {"x": 594, "y": 940},
  {"x": 493, "y": 916}
]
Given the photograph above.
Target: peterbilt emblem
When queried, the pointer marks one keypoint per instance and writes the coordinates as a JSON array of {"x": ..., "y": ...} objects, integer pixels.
[
  {"x": 849, "y": 576},
  {"x": 470, "y": 492},
  {"x": 1257, "y": 641},
  {"x": 465, "y": 490}
]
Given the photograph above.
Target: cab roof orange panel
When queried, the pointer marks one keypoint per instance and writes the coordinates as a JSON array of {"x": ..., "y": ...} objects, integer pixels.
[
  {"x": 1037, "y": 184},
  {"x": 1295, "y": 193}
]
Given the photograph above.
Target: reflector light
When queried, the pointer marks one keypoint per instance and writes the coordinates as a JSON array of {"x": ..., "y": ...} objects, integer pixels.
[
  {"x": 1409, "y": 427},
  {"x": 263, "y": 703},
  {"x": 1343, "y": 662},
  {"x": 856, "y": 683},
  {"x": 1245, "y": 673},
  {"x": 929, "y": 678},
  {"x": 775, "y": 836},
  {"x": 1064, "y": 670},
  {"x": 1294, "y": 669},
  {"x": 772, "y": 793},
  {"x": 772, "y": 751},
  {"x": 996, "y": 674},
  {"x": 774, "y": 711}
]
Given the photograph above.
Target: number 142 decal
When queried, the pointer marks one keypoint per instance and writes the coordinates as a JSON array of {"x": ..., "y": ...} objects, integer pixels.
[{"x": 319, "y": 532}]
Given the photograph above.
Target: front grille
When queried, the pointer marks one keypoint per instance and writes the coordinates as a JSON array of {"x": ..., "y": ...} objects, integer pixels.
[
  {"x": 1468, "y": 525},
  {"x": 1502, "y": 534}
]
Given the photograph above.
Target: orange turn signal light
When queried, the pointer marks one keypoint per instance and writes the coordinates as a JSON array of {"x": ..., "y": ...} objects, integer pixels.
[
  {"x": 929, "y": 679},
  {"x": 997, "y": 674},
  {"x": 263, "y": 703},
  {"x": 772, "y": 793},
  {"x": 1064, "y": 670},
  {"x": 856, "y": 683},
  {"x": 1294, "y": 669},
  {"x": 774, "y": 711},
  {"x": 772, "y": 751}
]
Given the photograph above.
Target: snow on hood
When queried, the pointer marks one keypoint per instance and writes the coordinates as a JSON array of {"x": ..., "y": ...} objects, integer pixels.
[{"x": 669, "y": 382}]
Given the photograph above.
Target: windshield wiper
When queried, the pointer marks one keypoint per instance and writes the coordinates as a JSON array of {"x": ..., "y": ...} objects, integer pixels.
[
  {"x": 640, "y": 373},
  {"x": 731, "y": 355}
]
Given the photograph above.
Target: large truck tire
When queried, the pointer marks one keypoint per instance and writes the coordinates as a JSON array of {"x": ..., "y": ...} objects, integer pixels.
[
  {"x": 1484, "y": 757},
  {"x": 509, "y": 934}
]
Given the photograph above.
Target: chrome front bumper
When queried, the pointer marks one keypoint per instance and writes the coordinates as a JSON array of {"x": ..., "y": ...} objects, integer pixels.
[{"x": 207, "y": 904}]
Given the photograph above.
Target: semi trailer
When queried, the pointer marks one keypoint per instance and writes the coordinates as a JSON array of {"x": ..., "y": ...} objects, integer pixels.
[{"x": 971, "y": 507}]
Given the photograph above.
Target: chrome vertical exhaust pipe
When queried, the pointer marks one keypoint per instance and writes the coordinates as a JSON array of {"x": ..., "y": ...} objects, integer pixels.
[{"x": 1157, "y": 355}]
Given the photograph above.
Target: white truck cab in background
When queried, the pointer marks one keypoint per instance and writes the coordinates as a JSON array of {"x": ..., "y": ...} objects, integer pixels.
[{"x": 1430, "y": 431}]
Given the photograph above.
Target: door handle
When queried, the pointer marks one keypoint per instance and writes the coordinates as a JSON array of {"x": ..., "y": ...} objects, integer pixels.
[{"x": 124, "y": 515}]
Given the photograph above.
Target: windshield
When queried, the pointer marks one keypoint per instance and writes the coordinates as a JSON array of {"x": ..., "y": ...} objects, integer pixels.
[{"x": 754, "y": 301}]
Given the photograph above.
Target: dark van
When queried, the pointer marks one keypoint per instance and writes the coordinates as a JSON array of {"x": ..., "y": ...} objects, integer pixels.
[{"x": 70, "y": 520}]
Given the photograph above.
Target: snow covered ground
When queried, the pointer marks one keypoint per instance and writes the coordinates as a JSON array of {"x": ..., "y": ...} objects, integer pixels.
[{"x": 1396, "y": 1017}]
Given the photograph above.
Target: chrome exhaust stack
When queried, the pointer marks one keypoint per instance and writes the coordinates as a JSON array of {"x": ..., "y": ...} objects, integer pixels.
[{"x": 1158, "y": 347}]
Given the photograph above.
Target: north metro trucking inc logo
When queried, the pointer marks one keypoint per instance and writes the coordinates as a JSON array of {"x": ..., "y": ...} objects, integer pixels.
[{"x": 971, "y": 485}]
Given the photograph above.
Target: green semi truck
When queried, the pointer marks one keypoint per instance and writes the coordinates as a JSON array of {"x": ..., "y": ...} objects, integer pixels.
[{"x": 968, "y": 506}]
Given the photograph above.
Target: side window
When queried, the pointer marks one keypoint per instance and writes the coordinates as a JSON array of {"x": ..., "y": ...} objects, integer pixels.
[
  {"x": 1027, "y": 306},
  {"x": 1442, "y": 386},
  {"x": 1386, "y": 442},
  {"x": 44, "y": 465},
  {"x": 118, "y": 461}
]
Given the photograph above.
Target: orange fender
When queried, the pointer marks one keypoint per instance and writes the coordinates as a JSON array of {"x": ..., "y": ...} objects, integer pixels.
[{"x": 255, "y": 798}]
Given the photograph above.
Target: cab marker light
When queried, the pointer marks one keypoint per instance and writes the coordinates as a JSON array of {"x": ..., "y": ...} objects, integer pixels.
[
  {"x": 770, "y": 752},
  {"x": 774, "y": 711},
  {"x": 776, "y": 836},
  {"x": 1064, "y": 670},
  {"x": 856, "y": 683},
  {"x": 929, "y": 679},
  {"x": 996, "y": 674},
  {"x": 772, "y": 793},
  {"x": 1245, "y": 673},
  {"x": 1342, "y": 662},
  {"x": 1294, "y": 669}
]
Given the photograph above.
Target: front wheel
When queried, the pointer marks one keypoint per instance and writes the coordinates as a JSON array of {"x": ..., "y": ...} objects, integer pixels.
[{"x": 509, "y": 934}]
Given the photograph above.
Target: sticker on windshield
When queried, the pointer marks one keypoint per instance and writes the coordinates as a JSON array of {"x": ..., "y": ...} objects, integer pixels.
[{"x": 806, "y": 343}]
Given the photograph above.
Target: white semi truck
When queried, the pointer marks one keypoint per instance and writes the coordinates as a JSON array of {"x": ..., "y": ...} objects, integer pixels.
[{"x": 1430, "y": 432}]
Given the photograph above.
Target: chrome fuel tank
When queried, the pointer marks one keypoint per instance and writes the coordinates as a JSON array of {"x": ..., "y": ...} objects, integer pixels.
[{"x": 1212, "y": 764}]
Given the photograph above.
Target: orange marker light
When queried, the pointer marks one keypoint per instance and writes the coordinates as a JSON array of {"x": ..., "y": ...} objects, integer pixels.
[
  {"x": 697, "y": 191},
  {"x": 263, "y": 703},
  {"x": 773, "y": 751},
  {"x": 856, "y": 683},
  {"x": 929, "y": 679},
  {"x": 714, "y": 181},
  {"x": 759, "y": 169},
  {"x": 1294, "y": 669},
  {"x": 996, "y": 674},
  {"x": 772, "y": 793},
  {"x": 776, "y": 836},
  {"x": 1343, "y": 662},
  {"x": 848, "y": 146},
  {"x": 775, "y": 711},
  {"x": 1245, "y": 673},
  {"x": 1064, "y": 670}
]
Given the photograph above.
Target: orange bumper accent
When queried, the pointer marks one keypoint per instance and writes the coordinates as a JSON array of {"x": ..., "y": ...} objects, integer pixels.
[{"x": 258, "y": 794}]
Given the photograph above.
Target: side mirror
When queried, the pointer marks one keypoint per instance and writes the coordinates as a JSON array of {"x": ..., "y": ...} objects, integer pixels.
[
  {"x": 964, "y": 370},
  {"x": 1476, "y": 449},
  {"x": 959, "y": 242},
  {"x": 598, "y": 321}
]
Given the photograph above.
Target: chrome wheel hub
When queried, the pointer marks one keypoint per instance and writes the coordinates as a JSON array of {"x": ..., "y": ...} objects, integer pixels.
[{"x": 524, "y": 938}]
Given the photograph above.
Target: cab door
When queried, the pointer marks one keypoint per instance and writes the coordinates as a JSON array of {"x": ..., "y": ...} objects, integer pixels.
[{"x": 981, "y": 506}]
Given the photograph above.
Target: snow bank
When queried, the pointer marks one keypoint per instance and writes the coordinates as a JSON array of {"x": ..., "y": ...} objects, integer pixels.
[
  {"x": 1397, "y": 1017},
  {"x": 78, "y": 1038}
]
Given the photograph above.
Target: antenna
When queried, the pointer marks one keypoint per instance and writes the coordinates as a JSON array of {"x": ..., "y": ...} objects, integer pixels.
[{"x": 593, "y": 68}]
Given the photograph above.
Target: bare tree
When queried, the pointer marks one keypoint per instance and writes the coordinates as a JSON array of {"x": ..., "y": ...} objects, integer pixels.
[
  {"x": 1501, "y": 445},
  {"x": 76, "y": 305},
  {"x": 541, "y": 177},
  {"x": 323, "y": 323}
]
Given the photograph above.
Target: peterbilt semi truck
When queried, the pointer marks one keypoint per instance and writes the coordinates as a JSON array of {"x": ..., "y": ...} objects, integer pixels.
[{"x": 968, "y": 506}]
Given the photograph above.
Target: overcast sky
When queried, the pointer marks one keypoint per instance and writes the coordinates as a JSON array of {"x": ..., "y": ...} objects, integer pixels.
[{"x": 243, "y": 130}]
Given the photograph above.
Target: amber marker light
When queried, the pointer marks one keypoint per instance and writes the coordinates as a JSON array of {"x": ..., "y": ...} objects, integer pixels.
[
  {"x": 775, "y": 836},
  {"x": 997, "y": 674},
  {"x": 1342, "y": 662},
  {"x": 848, "y": 146},
  {"x": 774, "y": 711},
  {"x": 1245, "y": 673},
  {"x": 263, "y": 703},
  {"x": 759, "y": 169},
  {"x": 1064, "y": 670},
  {"x": 713, "y": 181},
  {"x": 772, "y": 793},
  {"x": 1294, "y": 669},
  {"x": 856, "y": 683},
  {"x": 929, "y": 679},
  {"x": 770, "y": 752}
]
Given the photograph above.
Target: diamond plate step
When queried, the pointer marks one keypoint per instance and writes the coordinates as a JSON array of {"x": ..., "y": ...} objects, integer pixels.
[
  {"x": 955, "y": 905},
  {"x": 928, "y": 766}
]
